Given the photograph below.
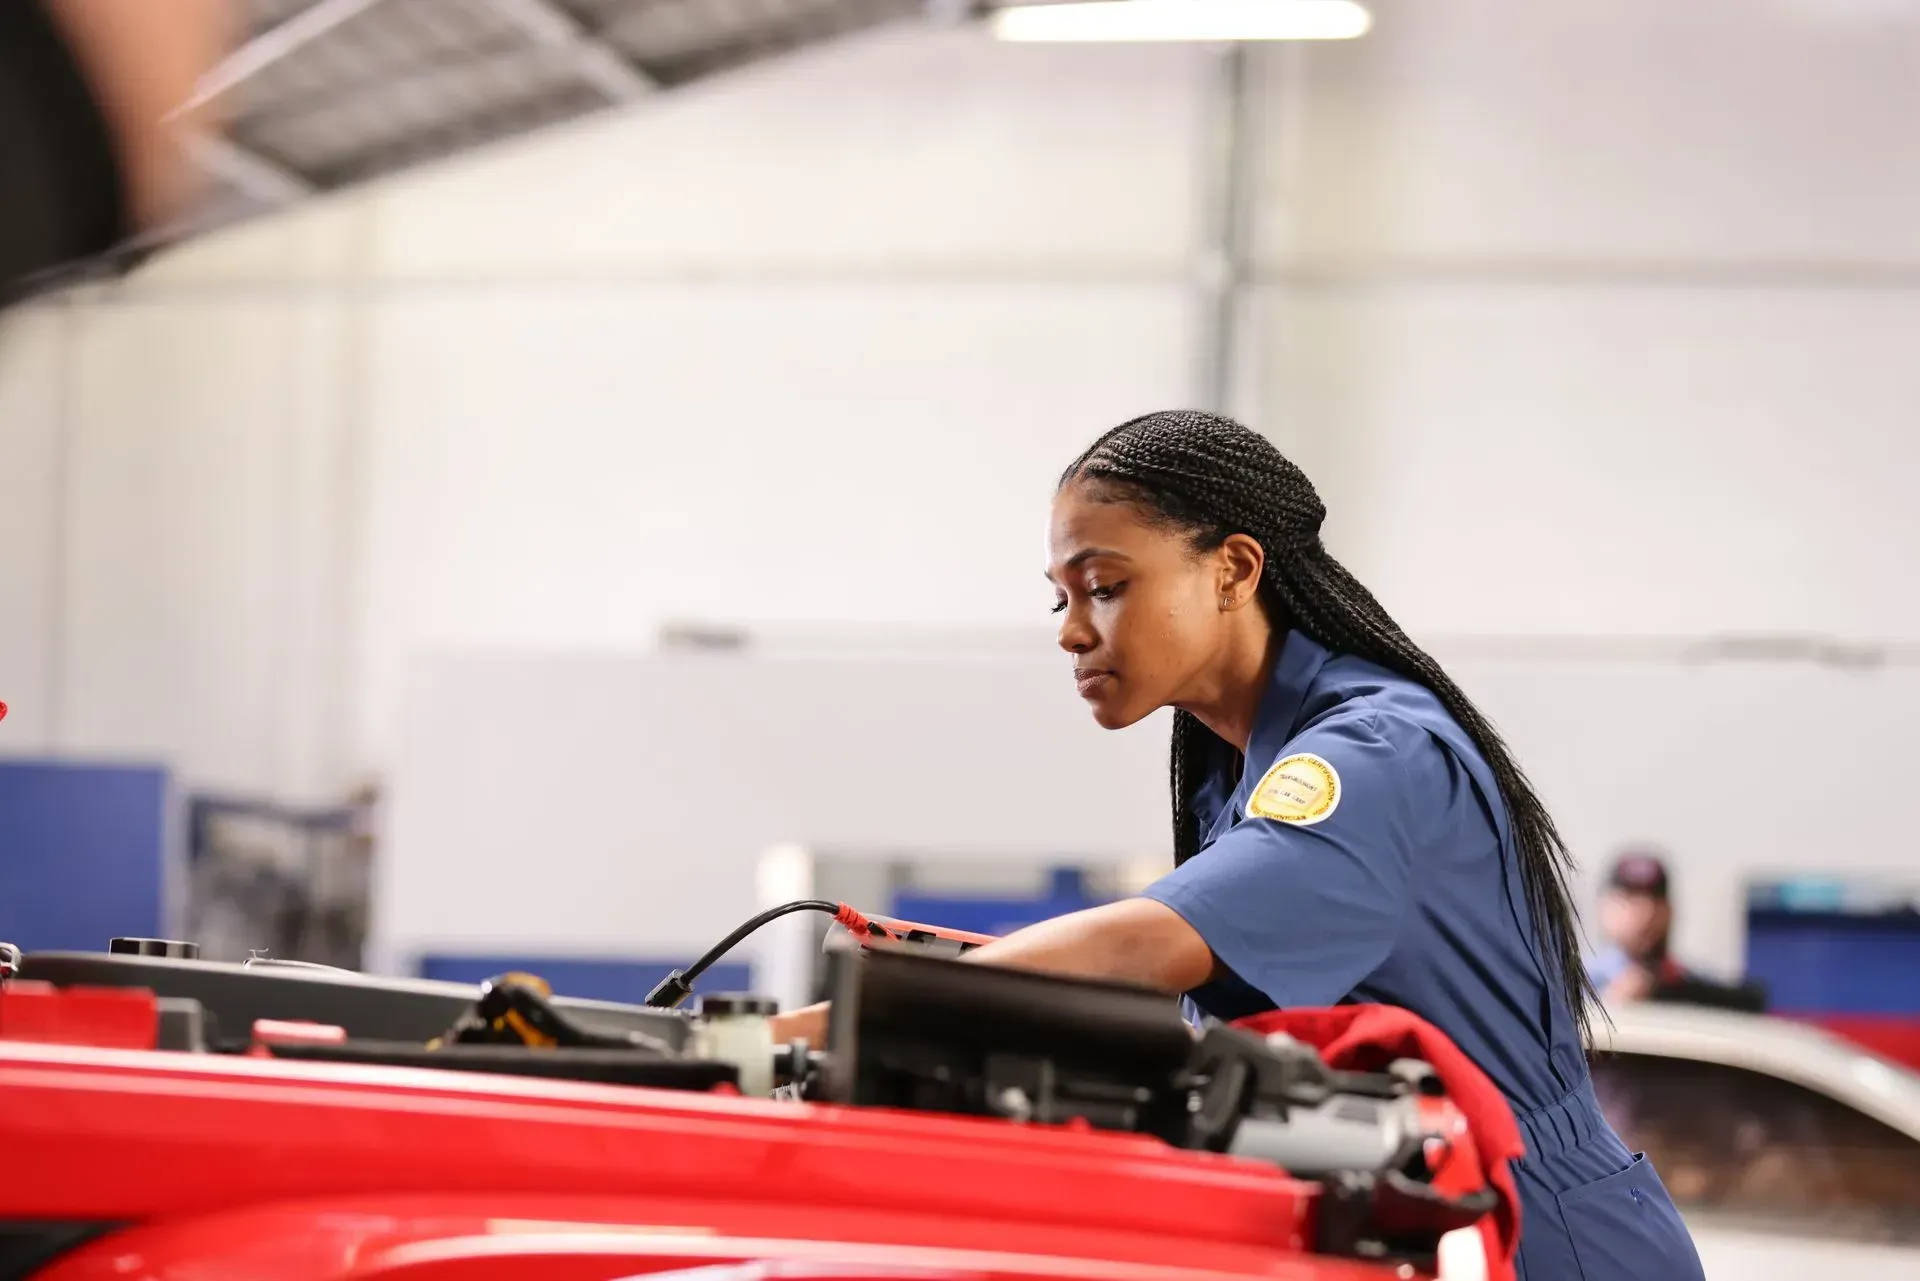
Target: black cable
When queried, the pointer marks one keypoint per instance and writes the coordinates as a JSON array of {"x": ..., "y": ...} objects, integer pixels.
[{"x": 678, "y": 985}]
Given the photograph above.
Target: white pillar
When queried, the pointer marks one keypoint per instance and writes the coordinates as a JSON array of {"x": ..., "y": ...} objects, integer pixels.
[{"x": 784, "y": 950}]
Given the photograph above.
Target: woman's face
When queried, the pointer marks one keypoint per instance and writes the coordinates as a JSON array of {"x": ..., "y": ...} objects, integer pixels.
[{"x": 1140, "y": 610}]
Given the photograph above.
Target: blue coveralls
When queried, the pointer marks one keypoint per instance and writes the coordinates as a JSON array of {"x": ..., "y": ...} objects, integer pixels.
[{"x": 1387, "y": 873}]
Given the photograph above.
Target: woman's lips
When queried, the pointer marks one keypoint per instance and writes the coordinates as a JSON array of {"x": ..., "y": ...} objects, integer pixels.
[{"x": 1091, "y": 680}]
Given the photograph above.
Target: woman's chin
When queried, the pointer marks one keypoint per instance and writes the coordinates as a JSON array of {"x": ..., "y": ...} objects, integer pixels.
[{"x": 1113, "y": 714}]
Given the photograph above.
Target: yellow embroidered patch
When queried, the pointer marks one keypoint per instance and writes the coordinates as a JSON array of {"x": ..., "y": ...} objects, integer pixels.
[{"x": 1301, "y": 789}]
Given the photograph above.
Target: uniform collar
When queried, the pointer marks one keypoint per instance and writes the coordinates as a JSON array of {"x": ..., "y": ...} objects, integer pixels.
[{"x": 1294, "y": 672}]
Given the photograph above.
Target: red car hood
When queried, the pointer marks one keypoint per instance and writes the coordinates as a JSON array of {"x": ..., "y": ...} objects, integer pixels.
[{"x": 236, "y": 1166}]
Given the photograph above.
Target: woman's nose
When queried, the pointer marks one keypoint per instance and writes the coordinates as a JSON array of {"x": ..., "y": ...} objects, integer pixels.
[{"x": 1076, "y": 637}]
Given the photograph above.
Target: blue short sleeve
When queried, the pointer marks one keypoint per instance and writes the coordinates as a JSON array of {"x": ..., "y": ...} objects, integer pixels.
[
  {"x": 1305, "y": 904},
  {"x": 1606, "y": 966}
]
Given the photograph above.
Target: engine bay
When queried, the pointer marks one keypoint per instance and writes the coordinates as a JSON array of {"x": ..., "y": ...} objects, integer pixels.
[{"x": 913, "y": 1029}]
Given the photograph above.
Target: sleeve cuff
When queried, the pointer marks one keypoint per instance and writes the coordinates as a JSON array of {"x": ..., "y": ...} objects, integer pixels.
[{"x": 1225, "y": 941}]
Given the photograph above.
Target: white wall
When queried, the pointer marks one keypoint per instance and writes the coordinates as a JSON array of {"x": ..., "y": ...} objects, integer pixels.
[
  {"x": 885, "y": 454},
  {"x": 647, "y": 843},
  {"x": 1591, "y": 318},
  {"x": 1610, "y": 460},
  {"x": 179, "y": 459},
  {"x": 632, "y": 794},
  {"x": 1624, "y": 298},
  {"x": 32, "y": 380},
  {"x": 813, "y": 351},
  {"x": 1719, "y": 139}
]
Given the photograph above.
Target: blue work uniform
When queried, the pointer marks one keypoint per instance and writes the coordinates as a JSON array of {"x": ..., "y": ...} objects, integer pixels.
[
  {"x": 1610, "y": 962},
  {"x": 1364, "y": 855}
]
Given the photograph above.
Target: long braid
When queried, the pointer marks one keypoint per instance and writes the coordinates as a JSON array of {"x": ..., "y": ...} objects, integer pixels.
[{"x": 1212, "y": 478}]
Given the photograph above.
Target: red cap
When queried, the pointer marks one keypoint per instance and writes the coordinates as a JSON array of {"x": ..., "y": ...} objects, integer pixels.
[{"x": 1640, "y": 872}]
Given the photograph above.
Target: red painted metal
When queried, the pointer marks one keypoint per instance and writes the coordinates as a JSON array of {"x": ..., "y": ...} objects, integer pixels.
[
  {"x": 240, "y": 1166},
  {"x": 111, "y": 1017},
  {"x": 1894, "y": 1037},
  {"x": 579, "y": 1239}
]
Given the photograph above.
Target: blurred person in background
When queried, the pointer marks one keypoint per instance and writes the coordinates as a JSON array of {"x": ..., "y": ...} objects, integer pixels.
[
  {"x": 1636, "y": 920},
  {"x": 93, "y": 135},
  {"x": 1347, "y": 826}
]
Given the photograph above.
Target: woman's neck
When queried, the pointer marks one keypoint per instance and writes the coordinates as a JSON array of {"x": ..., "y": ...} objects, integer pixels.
[{"x": 1230, "y": 702}]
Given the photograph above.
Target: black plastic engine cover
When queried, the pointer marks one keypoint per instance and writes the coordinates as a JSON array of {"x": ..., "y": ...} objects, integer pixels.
[{"x": 369, "y": 1007}]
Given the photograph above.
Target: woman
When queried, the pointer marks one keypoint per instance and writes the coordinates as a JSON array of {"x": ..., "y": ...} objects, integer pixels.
[{"x": 1346, "y": 826}]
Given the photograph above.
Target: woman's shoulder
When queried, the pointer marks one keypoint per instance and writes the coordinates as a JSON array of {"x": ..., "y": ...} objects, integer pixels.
[
  {"x": 1350, "y": 691},
  {"x": 1360, "y": 745},
  {"x": 1437, "y": 763},
  {"x": 1368, "y": 726}
]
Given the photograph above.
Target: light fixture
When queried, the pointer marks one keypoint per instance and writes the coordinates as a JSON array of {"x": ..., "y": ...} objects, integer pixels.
[{"x": 1209, "y": 20}]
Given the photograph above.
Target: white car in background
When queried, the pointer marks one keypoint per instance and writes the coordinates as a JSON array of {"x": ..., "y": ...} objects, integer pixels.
[{"x": 1792, "y": 1153}]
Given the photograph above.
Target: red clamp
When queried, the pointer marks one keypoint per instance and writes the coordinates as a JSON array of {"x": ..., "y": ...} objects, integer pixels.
[
  {"x": 271, "y": 1032},
  {"x": 887, "y": 927}
]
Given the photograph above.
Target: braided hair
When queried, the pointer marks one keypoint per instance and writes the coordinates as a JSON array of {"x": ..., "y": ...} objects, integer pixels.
[{"x": 1210, "y": 478}]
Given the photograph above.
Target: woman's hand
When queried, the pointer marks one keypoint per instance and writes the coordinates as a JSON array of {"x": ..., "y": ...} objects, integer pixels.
[
  {"x": 1635, "y": 983},
  {"x": 807, "y": 1024}
]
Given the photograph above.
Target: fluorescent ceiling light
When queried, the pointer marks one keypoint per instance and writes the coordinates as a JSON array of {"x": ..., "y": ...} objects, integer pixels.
[{"x": 1151, "y": 20}]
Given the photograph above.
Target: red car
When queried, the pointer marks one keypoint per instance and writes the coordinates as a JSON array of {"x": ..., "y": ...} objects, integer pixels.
[{"x": 290, "y": 1158}]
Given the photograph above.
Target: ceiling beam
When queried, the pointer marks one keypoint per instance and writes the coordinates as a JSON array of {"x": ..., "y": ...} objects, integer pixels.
[
  {"x": 269, "y": 47},
  {"x": 246, "y": 170},
  {"x": 605, "y": 67}
]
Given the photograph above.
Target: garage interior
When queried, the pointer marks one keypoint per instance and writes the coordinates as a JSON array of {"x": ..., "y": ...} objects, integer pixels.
[{"x": 576, "y": 474}]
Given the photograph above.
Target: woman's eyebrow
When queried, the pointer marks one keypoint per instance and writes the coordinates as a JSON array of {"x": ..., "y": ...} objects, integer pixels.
[{"x": 1086, "y": 554}]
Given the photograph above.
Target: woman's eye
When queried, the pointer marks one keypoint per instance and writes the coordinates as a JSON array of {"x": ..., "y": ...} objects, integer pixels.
[
  {"x": 1059, "y": 606},
  {"x": 1105, "y": 593}
]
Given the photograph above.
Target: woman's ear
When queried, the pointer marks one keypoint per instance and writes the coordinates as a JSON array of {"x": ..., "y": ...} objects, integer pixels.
[{"x": 1241, "y": 561}]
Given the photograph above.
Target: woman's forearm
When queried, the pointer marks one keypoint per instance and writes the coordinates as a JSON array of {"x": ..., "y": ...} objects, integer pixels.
[{"x": 1134, "y": 941}]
